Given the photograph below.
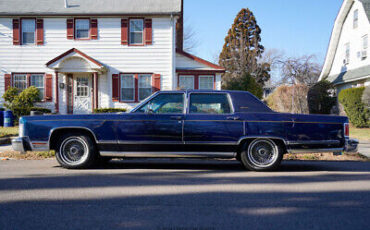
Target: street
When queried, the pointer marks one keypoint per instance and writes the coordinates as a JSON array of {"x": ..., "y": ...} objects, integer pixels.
[{"x": 184, "y": 194}]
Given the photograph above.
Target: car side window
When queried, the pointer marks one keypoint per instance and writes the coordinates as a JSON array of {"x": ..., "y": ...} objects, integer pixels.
[
  {"x": 164, "y": 104},
  {"x": 213, "y": 103}
]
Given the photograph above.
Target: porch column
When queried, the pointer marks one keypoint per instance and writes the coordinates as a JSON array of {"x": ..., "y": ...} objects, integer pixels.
[
  {"x": 56, "y": 93},
  {"x": 96, "y": 90}
]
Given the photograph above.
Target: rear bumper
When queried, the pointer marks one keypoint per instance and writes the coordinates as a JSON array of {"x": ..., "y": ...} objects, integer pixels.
[{"x": 351, "y": 145}]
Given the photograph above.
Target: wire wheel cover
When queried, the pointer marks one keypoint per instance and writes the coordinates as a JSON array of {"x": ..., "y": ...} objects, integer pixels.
[
  {"x": 262, "y": 153},
  {"x": 73, "y": 150}
]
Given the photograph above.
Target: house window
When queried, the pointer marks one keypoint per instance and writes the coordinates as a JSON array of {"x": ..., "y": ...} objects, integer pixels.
[
  {"x": 136, "y": 31},
  {"x": 23, "y": 81},
  {"x": 365, "y": 42},
  {"x": 20, "y": 81},
  {"x": 82, "y": 28},
  {"x": 128, "y": 87},
  {"x": 206, "y": 82},
  {"x": 145, "y": 86},
  {"x": 37, "y": 80},
  {"x": 347, "y": 53},
  {"x": 186, "y": 82},
  {"x": 355, "y": 19},
  {"x": 28, "y": 31}
]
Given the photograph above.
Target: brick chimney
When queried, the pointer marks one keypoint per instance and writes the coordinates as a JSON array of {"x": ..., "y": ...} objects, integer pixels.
[{"x": 180, "y": 29}]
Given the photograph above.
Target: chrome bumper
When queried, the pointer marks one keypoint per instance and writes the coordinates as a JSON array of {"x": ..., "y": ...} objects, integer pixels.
[
  {"x": 21, "y": 144},
  {"x": 351, "y": 145}
]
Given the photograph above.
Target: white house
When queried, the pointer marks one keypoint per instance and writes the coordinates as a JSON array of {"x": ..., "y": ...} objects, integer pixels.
[
  {"x": 87, "y": 54},
  {"x": 347, "y": 62}
]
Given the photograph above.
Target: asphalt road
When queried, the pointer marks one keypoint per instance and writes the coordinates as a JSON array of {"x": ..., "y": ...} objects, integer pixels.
[{"x": 184, "y": 194}]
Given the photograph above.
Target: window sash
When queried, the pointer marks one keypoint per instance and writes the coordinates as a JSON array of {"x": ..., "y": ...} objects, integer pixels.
[
  {"x": 347, "y": 52},
  {"x": 355, "y": 19},
  {"x": 206, "y": 82},
  {"x": 136, "y": 31},
  {"x": 20, "y": 81},
  {"x": 37, "y": 80},
  {"x": 82, "y": 28},
  {"x": 186, "y": 82},
  {"x": 28, "y": 31},
  {"x": 365, "y": 42},
  {"x": 214, "y": 104},
  {"x": 127, "y": 87},
  {"x": 145, "y": 86},
  {"x": 82, "y": 87}
]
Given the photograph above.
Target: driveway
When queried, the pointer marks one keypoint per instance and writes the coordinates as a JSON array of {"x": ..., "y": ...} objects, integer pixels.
[{"x": 184, "y": 194}]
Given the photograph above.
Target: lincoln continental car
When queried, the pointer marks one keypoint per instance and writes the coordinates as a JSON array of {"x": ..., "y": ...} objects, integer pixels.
[{"x": 211, "y": 124}]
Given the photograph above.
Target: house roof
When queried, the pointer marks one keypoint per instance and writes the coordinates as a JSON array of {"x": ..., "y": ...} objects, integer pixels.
[
  {"x": 89, "y": 7},
  {"x": 186, "y": 62},
  {"x": 350, "y": 75},
  {"x": 366, "y": 4}
]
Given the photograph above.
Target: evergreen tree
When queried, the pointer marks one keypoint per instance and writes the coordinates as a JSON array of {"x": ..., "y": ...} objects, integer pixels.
[{"x": 242, "y": 50}]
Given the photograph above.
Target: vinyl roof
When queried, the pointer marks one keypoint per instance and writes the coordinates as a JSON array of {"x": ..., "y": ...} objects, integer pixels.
[{"x": 89, "y": 7}]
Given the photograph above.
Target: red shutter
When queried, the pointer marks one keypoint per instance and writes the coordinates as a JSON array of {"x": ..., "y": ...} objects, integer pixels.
[
  {"x": 70, "y": 29},
  {"x": 16, "y": 32},
  {"x": 124, "y": 31},
  {"x": 148, "y": 31},
  {"x": 49, "y": 87},
  {"x": 94, "y": 29},
  {"x": 156, "y": 82},
  {"x": 115, "y": 87},
  {"x": 8, "y": 81},
  {"x": 40, "y": 31}
]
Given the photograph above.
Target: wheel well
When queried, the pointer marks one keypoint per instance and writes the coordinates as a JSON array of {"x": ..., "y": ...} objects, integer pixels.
[
  {"x": 246, "y": 142},
  {"x": 59, "y": 132}
]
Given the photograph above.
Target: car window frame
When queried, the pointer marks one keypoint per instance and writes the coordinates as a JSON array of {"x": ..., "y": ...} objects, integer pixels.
[
  {"x": 232, "y": 110},
  {"x": 156, "y": 95}
]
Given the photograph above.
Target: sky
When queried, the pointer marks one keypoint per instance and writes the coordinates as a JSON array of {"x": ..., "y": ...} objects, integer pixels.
[{"x": 296, "y": 27}]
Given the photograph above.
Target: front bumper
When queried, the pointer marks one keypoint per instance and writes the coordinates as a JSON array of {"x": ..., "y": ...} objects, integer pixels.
[
  {"x": 21, "y": 144},
  {"x": 351, "y": 145}
]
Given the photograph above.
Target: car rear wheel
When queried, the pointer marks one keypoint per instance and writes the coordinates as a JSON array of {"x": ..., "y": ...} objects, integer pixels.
[
  {"x": 76, "y": 151},
  {"x": 261, "y": 155}
]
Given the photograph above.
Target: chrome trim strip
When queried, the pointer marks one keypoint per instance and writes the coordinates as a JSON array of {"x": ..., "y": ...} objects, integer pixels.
[
  {"x": 150, "y": 142},
  {"x": 209, "y": 143},
  {"x": 315, "y": 142},
  {"x": 260, "y": 137},
  {"x": 169, "y": 154},
  {"x": 334, "y": 150},
  {"x": 72, "y": 127}
]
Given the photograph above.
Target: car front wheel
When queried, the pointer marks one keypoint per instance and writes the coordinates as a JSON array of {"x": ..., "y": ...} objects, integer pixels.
[
  {"x": 261, "y": 155},
  {"x": 76, "y": 151}
]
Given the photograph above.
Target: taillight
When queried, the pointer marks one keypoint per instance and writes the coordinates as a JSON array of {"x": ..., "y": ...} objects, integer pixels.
[{"x": 346, "y": 130}]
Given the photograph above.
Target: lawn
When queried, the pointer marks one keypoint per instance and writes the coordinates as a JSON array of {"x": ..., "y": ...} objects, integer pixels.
[
  {"x": 8, "y": 131},
  {"x": 361, "y": 134}
]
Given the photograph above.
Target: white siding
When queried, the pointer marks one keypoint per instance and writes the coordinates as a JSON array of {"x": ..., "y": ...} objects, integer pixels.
[
  {"x": 156, "y": 58},
  {"x": 354, "y": 37}
]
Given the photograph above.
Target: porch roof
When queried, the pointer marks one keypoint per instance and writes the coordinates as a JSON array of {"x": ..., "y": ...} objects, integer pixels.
[{"x": 83, "y": 62}]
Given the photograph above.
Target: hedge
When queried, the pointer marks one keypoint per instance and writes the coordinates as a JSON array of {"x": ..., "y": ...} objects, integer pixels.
[
  {"x": 319, "y": 99},
  {"x": 358, "y": 114},
  {"x": 110, "y": 110},
  {"x": 40, "y": 109}
]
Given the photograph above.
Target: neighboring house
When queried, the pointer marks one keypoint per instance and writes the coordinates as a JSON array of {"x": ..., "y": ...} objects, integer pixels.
[
  {"x": 347, "y": 61},
  {"x": 86, "y": 54}
]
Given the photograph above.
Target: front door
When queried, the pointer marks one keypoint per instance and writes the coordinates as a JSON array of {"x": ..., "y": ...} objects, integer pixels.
[{"x": 82, "y": 96}]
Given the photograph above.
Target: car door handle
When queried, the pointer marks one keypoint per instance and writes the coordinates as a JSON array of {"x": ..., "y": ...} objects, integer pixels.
[
  {"x": 176, "y": 118},
  {"x": 233, "y": 118}
]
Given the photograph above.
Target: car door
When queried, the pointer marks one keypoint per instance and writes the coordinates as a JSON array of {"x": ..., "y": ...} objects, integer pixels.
[
  {"x": 210, "y": 123},
  {"x": 156, "y": 124}
]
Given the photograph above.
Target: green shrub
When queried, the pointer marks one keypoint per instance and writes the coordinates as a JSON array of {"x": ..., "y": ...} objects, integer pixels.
[
  {"x": 355, "y": 109},
  {"x": 110, "y": 110},
  {"x": 21, "y": 103},
  {"x": 319, "y": 99},
  {"x": 366, "y": 97},
  {"x": 245, "y": 83}
]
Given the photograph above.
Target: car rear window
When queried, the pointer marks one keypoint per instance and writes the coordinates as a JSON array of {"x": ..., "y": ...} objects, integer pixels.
[{"x": 212, "y": 103}]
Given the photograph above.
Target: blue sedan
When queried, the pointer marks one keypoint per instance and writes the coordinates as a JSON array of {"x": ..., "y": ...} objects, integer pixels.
[{"x": 189, "y": 123}]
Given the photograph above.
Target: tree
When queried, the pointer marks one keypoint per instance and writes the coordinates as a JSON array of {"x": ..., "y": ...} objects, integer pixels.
[
  {"x": 319, "y": 98},
  {"x": 242, "y": 50},
  {"x": 190, "y": 40},
  {"x": 300, "y": 70},
  {"x": 245, "y": 83}
]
